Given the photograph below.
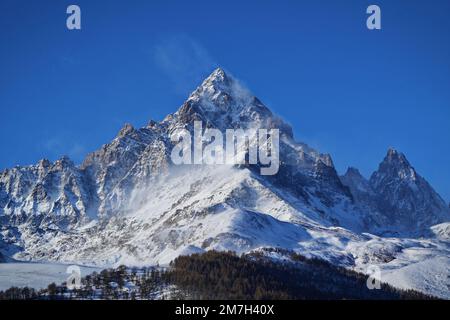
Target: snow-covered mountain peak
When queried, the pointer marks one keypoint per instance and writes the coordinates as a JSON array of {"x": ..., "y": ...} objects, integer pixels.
[
  {"x": 396, "y": 166},
  {"x": 222, "y": 102},
  {"x": 220, "y": 93},
  {"x": 404, "y": 197},
  {"x": 218, "y": 79},
  {"x": 395, "y": 157}
]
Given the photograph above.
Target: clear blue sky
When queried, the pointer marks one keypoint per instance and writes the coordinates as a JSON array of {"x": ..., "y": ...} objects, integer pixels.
[{"x": 346, "y": 90}]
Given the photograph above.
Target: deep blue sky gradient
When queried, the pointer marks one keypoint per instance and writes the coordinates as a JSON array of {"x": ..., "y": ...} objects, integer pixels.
[{"x": 346, "y": 90}]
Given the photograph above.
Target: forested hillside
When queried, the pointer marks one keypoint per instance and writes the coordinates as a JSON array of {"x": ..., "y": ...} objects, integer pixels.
[{"x": 222, "y": 275}]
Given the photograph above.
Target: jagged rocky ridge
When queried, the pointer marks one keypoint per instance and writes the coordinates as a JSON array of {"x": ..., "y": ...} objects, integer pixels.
[
  {"x": 401, "y": 198},
  {"x": 126, "y": 203}
]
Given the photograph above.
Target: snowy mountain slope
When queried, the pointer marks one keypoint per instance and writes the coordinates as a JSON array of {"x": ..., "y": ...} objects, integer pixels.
[
  {"x": 208, "y": 209},
  {"x": 441, "y": 231},
  {"x": 128, "y": 204},
  {"x": 193, "y": 212},
  {"x": 35, "y": 275}
]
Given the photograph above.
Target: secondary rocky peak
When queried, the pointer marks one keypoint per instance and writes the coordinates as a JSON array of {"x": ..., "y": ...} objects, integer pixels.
[
  {"x": 152, "y": 124},
  {"x": 394, "y": 166},
  {"x": 353, "y": 175},
  {"x": 44, "y": 163},
  {"x": 126, "y": 129},
  {"x": 353, "y": 172},
  {"x": 326, "y": 159},
  {"x": 64, "y": 162},
  {"x": 393, "y": 156},
  {"x": 358, "y": 185},
  {"x": 403, "y": 196}
]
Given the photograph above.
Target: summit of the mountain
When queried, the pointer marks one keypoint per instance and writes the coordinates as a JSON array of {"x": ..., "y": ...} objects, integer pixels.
[{"x": 223, "y": 102}]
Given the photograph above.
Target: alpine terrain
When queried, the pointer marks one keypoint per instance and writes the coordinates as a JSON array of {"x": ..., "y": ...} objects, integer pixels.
[{"x": 127, "y": 203}]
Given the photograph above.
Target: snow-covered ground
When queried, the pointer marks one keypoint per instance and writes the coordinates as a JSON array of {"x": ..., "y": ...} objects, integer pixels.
[
  {"x": 228, "y": 209},
  {"x": 419, "y": 264},
  {"x": 35, "y": 275},
  {"x": 428, "y": 275}
]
